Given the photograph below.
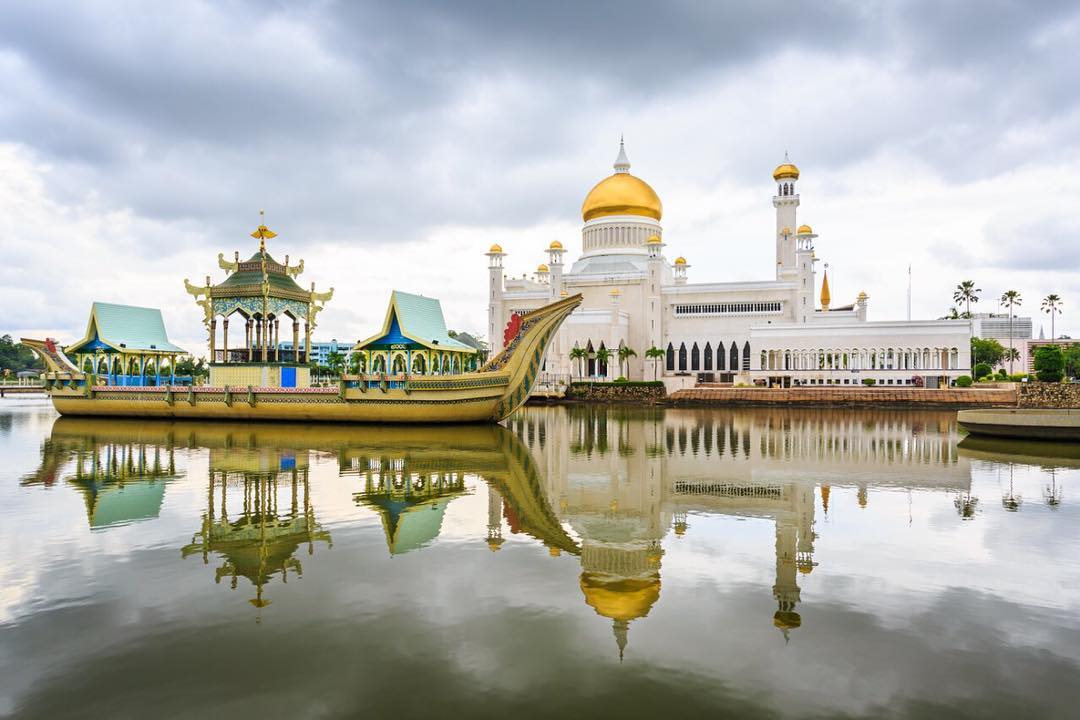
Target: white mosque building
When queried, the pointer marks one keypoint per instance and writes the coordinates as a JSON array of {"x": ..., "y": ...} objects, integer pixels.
[{"x": 763, "y": 332}]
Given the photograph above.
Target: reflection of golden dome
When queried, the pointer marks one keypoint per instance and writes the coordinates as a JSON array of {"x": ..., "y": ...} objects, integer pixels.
[
  {"x": 653, "y": 240},
  {"x": 805, "y": 230},
  {"x": 806, "y": 569},
  {"x": 786, "y": 620},
  {"x": 555, "y": 245},
  {"x": 621, "y": 194},
  {"x": 496, "y": 248},
  {"x": 680, "y": 260},
  {"x": 680, "y": 528},
  {"x": 785, "y": 170},
  {"x": 494, "y": 544},
  {"x": 614, "y": 292},
  {"x": 542, "y": 268},
  {"x": 623, "y": 599},
  {"x": 554, "y": 551}
]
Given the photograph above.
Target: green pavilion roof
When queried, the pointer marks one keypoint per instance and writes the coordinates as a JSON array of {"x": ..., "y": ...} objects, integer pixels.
[
  {"x": 419, "y": 319},
  {"x": 250, "y": 273},
  {"x": 125, "y": 327}
]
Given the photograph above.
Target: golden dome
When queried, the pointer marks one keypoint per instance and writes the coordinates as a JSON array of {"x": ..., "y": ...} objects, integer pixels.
[
  {"x": 496, "y": 248},
  {"x": 555, "y": 245},
  {"x": 624, "y": 599},
  {"x": 680, "y": 260},
  {"x": 542, "y": 268},
  {"x": 785, "y": 230},
  {"x": 863, "y": 296},
  {"x": 785, "y": 170},
  {"x": 653, "y": 240},
  {"x": 621, "y": 194},
  {"x": 806, "y": 230}
]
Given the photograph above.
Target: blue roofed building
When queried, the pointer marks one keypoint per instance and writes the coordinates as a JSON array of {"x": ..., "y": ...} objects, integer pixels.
[
  {"x": 414, "y": 340},
  {"x": 126, "y": 345}
]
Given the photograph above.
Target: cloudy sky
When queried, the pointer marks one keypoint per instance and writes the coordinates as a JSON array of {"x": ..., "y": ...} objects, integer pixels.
[{"x": 392, "y": 143}]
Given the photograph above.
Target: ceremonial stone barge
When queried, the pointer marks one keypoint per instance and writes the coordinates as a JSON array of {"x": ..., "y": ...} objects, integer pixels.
[{"x": 256, "y": 380}]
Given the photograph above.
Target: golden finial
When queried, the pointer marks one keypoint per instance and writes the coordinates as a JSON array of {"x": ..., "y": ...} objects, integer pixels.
[
  {"x": 826, "y": 297},
  {"x": 263, "y": 233}
]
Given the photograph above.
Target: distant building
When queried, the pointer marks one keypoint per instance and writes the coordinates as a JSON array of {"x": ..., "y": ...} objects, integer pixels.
[
  {"x": 320, "y": 351},
  {"x": 997, "y": 326}
]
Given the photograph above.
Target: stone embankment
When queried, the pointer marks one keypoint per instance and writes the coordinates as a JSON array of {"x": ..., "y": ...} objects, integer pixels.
[
  {"x": 847, "y": 397},
  {"x": 637, "y": 393},
  {"x": 1049, "y": 395}
]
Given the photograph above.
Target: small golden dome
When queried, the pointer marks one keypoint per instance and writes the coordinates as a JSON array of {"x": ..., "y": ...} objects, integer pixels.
[
  {"x": 555, "y": 245},
  {"x": 614, "y": 292},
  {"x": 806, "y": 230},
  {"x": 863, "y": 296},
  {"x": 542, "y": 268},
  {"x": 784, "y": 171},
  {"x": 621, "y": 194},
  {"x": 785, "y": 230},
  {"x": 653, "y": 240},
  {"x": 564, "y": 294},
  {"x": 622, "y": 599},
  {"x": 496, "y": 248},
  {"x": 680, "y": 260}
]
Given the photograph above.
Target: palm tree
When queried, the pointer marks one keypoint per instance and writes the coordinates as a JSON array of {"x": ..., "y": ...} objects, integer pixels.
[
  {"x": 625, "y": 353},
  {"x": 966, "y": 293},
  {"x": 1052, "y": 304},
  {"x": 335, "y": 361},
  {"x": 656, "y": 355},
  {"x": 1012, "y": 299},
  {"x": 577, "y": 353},
  {"x": 603, "y": 357}
]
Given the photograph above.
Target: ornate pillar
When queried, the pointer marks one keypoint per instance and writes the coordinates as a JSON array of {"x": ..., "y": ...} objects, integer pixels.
[
  {"x": 296, "y": 341},
  {"x": 265, "y": 339},
  {"x": 213, "y": 333},
  {"x": 225, "y": 339},
  {"x": 277, "y": 339},
  {"x": 258, "y": 333},
  {"x": 307, "y": 343}
]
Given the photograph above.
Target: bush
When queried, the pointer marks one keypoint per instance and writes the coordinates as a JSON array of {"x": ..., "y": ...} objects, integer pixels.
[
  {"x": 1002, "y": 374},
  {"x": 624, "y": 383},
  {"x": 1049, "y": 363},
  {"x": 963, "y": 381},
  {"x": 982, "y": 370},
  {"x": 1018, "y": 377},
  {"x": 868, "y": 382},
  {"x": 621, "y": 380}
]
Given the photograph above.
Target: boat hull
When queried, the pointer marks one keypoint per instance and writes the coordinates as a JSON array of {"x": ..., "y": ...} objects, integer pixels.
[{"x": 1033, "y": 424}]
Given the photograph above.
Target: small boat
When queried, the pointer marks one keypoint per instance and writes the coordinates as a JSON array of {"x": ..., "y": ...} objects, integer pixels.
[
  {"x": 488, "y": 394},
  {"x": 1022, "y": 423}
]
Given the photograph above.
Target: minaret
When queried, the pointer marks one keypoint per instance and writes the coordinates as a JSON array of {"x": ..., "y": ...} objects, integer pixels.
[
  {"x": 826, "y": 296},
  {"x": 680, "y": 267},
  {"x": 557, "y": 362},
  {"x": 786, "y": 201},
  {"x": 495, "y": 298},
  {"x": 804, "y": 272},
  {"x": 652, "y": 299}
]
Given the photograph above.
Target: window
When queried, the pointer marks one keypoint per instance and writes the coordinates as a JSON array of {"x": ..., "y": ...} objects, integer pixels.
[
  {"x": 768, "y": 307},
  {"x": 670, "y": 357},
  {"x": 745, "y": 356},
  {"x": 721, "y": 359},
  {"x": 682, "y": 356},
  {"x": 695, "y": 358},
  {"x": 734, "y": 357},
  {"x": 708, "y": 357}
]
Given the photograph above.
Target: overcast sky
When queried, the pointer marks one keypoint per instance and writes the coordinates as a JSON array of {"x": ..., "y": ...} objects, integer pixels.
[{"x": 392, "y": 143}]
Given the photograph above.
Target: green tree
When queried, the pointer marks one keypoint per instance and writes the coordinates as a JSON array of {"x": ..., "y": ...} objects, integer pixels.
[
  {"x": 356, "y": 361},
  {"x": 335, "y": 361},
  {"x": 656, "y": 355},
  {"x": 603, "y": 357},
  {"x": 1049, "y": 363},
  {"x": 1011, "y": 299},
  {"x": 16, "y": 356},
  {"x": 1072, "y": 361},
  {"x": 965, "y": 294},
  {"x": 987, "y": 351},
  {"x": 625, "y": 353},
  {"x": 577, "y": 354},
  {"x": 1051, "y": 304}
]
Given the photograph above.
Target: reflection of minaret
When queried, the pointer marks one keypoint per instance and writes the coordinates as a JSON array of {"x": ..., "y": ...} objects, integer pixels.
[
  {"x": 494, "y": 526},
  {"x": 825, "y": 490},
  {"x": 862, "y": 494},
  {"x": 805, "y": 557},
  {"x": 786, "y": 589},
  {"x": 621, "y": 582}
]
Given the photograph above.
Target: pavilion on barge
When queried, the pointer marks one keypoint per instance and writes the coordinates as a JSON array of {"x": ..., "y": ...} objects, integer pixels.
[
  {"x": 262, "y": 292},
  {"x": 126, "y": 345}
]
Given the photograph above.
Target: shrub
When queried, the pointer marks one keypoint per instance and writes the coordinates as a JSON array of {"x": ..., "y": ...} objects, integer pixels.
[
  {"x": 963, "y": 381},
  {"x": 1018, "y": 377},
  {"x": 1049, "y": 363},
  {"x": 868, "y": 382},
  {"x": 1002, "y": 374},
  {"x": 982, "y": 370},
  {"x": 621, "y": 380}
]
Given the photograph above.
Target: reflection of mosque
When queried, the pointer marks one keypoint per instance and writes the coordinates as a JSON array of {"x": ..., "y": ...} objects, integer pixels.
[
  {"x": 630, "y": 476},
  {"x": 258, "y": 514},
  {"x": 121, "y": 477}
]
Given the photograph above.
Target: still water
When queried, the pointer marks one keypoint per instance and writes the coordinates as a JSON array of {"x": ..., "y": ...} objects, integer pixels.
[{"x": 583, "y": 562}]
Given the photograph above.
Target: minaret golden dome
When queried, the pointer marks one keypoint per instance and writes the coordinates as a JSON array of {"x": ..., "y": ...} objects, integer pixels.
[
  {"x": 806, "y": 230},
  {"x": 680, "y": 260},
  {"x": 555, "y": 245},
  {"x": 826, "y": 297},
  {"x": 542, "y": 268},
  {"x": 496, "y": 248},
  {"x": 621, "y": 194}
]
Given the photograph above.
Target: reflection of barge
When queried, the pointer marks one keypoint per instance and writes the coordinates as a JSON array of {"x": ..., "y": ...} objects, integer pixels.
[{"x": 268, "y": 383}]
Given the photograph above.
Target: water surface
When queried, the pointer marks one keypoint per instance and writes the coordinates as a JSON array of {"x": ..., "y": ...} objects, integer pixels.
[{"x": 583, "y": 562}]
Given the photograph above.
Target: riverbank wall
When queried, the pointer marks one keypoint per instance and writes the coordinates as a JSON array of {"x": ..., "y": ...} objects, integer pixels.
[
  {"x": 635, "y": 393},
  {"x": 848, "y": 397},
  {"x": 1049, "y": 395}
]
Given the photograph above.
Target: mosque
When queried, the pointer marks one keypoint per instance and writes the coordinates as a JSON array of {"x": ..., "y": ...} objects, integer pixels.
[{"x": 781, "y": 331}]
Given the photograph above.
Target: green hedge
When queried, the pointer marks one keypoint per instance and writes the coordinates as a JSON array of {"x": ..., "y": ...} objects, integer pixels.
[{"x": 963, "y": 381}]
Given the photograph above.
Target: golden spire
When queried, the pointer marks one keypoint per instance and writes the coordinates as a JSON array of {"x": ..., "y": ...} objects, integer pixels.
[
  {"x": 825, "y": 296},
  {"x": 263, "y": 233}
]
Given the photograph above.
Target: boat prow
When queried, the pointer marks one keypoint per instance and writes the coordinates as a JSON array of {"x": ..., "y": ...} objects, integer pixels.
[{"x": 487, "y": 395}]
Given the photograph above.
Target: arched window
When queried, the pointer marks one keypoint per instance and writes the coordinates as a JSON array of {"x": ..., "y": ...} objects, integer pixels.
[
  {"x": 695, "y": 358},
  {"x": 734, "y": 359},
  {"x": 708, "y": 357},
  {"x": 601, "y": 365},
  {"x": 682, "y": 357},
  {"x": 670, "y": 357},
  {"x": 721, "y": 358},
  {"x": 746, "y": 356}
]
